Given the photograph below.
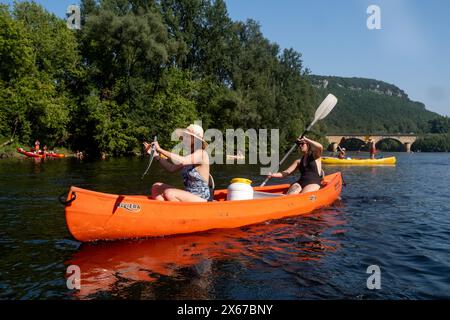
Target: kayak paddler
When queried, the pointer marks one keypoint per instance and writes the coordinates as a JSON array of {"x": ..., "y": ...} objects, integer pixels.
[
  {"x": 341, "y": 154},
  {"x": 309, "y": 165},
  {"x": 194, "y": 168},
  {"x": 37, "y": 145},
  {"x": 372, "y": 148}
]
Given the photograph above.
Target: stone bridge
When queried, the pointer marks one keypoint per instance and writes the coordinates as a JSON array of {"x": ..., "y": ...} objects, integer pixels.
[{"x": 406, "y": 139}]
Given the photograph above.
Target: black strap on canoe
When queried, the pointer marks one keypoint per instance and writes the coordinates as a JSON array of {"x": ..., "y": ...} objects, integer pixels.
[
  {"x": 212, "y": 187},
  {"x": 67, "y": 202}
]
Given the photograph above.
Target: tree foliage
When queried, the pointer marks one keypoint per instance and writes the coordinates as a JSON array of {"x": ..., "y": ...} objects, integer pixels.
[
  {"x": 432, "y": 143},
  {"x": 38, "y": 57},
  {"x": 143, "y": 67}
]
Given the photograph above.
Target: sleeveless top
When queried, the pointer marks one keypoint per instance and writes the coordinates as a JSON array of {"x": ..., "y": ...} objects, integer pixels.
[
  {"x": 309, "y": 172},
  {"x": 194, "y": 183}
]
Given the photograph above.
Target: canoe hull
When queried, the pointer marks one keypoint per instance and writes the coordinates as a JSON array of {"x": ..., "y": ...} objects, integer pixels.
[
  {"x": 56, "y": 155},
  {"x": 30, "y": 154},
  {"x": 98, "y": 216},
  {"x": 365, "y": 162},
  {"x": 35, "y": 155}
]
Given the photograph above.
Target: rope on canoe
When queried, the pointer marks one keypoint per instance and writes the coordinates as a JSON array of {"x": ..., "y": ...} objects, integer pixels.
[{"x": 67, "y": 202}]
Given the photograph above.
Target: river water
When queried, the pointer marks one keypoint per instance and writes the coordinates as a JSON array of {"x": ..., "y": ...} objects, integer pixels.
[{"x": 395, "y": 217}]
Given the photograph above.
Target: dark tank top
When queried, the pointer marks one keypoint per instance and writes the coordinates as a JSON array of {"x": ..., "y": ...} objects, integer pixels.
[{"x": 309, "y": 172}]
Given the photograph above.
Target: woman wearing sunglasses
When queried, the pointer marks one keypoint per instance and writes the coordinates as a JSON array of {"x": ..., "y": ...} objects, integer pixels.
[{"x": 309, "y": 165}]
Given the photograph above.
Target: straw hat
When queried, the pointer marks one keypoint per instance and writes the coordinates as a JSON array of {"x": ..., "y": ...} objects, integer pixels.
[{"x": 193, "y": 130}]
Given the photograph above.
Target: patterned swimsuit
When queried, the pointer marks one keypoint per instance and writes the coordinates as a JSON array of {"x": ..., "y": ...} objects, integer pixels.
[{"x": 195, "y": 184}]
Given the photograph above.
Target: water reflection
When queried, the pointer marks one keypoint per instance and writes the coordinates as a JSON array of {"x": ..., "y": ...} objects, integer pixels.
[{"x": 190, "y": 261}]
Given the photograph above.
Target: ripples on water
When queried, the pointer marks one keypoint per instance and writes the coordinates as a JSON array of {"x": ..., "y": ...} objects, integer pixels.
[{"x": 396, "y": 217}]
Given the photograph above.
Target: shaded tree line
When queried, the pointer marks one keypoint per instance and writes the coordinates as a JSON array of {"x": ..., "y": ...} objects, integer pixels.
[
  {"x": 140, "y": 67},
  {"x": 437, "y": 139}
]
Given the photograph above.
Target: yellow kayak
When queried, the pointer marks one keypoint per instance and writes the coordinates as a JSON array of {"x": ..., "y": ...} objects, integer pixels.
[{"x": 366, "y": 162}]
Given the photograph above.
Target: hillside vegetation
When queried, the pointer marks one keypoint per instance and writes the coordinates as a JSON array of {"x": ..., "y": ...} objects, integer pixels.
[{"x": 372, "y": 107}]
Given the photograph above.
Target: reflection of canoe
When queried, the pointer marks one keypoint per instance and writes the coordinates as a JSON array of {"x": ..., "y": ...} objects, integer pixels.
[
  {"x": 366, "y": 162},
  {"x": 187, "y": 259},
  {"x": 30, "y": 154},
  {"x": 99, "y": 216}
]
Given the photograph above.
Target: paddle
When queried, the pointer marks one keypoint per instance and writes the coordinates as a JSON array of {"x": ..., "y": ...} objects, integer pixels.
[
  {"x": 339, "y": 147},
  {"x": 340, "y": 143},
  {"x": 152, "y": 153},
  {"x": 322, "y": 111},
  {"x": 366, "y": 140}
]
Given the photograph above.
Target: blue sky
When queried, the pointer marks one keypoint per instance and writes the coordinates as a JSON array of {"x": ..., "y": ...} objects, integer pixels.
[{"x": 411, "y": 50}]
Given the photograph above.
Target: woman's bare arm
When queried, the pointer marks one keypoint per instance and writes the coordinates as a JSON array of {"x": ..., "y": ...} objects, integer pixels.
[
  {"x": 169, "y": 166},
  {"x": 166, "y": 164},
  {"x": 286, "y": 172},
  {"x": 196, "y": 158},
  {"x": 316, "y": 147}
]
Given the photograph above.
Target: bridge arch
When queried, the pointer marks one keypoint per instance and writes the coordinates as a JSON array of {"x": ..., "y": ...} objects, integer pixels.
[
  {"x": 406, "y": 139},
  {"x": 399, "y": 145}
]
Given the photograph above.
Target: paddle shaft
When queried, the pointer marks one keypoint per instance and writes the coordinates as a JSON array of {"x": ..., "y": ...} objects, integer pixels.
[
  {"x": 152, "y": 153},
  {"x": 285, "y": 156},
  {"x": 322, "y": 111}
]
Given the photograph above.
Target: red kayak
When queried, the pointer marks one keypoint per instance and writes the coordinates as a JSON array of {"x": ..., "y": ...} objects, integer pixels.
[
  {"x": 30, "y": 154},
  {"x": 39, "y": 155},
  {"x": 55, "y": 155}
]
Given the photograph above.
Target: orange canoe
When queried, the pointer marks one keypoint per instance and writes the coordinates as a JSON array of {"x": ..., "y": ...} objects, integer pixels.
[{"x": 94, "y": 216}]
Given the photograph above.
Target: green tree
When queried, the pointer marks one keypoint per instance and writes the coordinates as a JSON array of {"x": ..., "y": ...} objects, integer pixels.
[{"x": 32, "y": 98}]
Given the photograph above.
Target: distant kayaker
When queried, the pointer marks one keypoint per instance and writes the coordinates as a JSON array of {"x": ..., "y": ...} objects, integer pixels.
[
  {"x": 194, "y": 168},
  {"x": 80, "y": 155},
  {"x": 37, "y": 145},
  {"x": 372, "y": 148},
  {"x": 309, "y": 165},
  {"x": 341, "y": 154}
]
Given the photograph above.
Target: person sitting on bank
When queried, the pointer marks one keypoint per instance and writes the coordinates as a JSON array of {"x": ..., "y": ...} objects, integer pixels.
[
  {"x": 194, "y": 168},
  {"x": 309, "y": 165}
]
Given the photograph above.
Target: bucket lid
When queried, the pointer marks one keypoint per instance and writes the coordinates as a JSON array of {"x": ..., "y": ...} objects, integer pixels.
[{"x": 241, "y": 180}]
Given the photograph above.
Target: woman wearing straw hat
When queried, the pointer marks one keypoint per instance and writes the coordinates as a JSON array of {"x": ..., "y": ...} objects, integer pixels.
[{"x": 194, "y": 168}]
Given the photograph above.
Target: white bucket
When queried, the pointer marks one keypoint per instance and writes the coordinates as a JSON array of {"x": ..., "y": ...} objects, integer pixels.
[{"x": 240, "y": 189}]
